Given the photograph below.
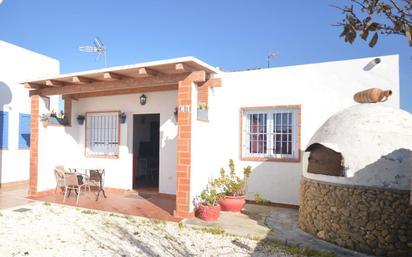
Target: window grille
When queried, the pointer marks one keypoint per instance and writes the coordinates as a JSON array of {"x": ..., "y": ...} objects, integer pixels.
[
  {"x": 270, "y": 133},
  {"x": 102, "y": 134}
]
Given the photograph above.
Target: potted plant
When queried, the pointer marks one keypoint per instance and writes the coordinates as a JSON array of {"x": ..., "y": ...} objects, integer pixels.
[
  {"x": 122, "y": 117},
  {"x": 209, "y": 209},
  {"x": 233, "y": 188},
  {"x": 57, "y": 118},
  {"x": 202, "y": 112},
  {"x": 80, "y": 119},
  {"x": 44, "y": 118}
]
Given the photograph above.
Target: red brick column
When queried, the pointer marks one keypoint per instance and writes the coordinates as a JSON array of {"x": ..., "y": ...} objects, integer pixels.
[
  {"x": 34, "y": 143},
  {"x": 184, "y": 98},
  {"x": 203, "y": 94}
]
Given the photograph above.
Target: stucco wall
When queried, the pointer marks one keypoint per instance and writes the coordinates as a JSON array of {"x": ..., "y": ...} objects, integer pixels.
[
  {"x": 16, "y": 65},
  {"x": 65, "y": 145},
  {"x": 321, "y": 90}
]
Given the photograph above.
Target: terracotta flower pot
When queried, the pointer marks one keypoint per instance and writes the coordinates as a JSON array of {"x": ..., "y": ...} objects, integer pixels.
[
  {"x": 208, "y": 213},
  {"x": 233, "y": 203},
  {"x": 45, "y": 123}
]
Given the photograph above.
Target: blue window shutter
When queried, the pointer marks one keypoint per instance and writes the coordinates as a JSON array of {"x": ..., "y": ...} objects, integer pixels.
[
  {"x": 24, "y": 131},
  {"x": 4, "y": 129}
]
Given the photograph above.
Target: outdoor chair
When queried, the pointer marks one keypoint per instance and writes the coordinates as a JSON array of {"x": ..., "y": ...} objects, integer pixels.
[
  {"x": 72, "y": 182},
  {"x": 95, "y": 178},
  {"x": 59, "y": 175}
]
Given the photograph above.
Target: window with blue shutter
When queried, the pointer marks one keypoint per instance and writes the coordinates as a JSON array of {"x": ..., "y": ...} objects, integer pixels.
[
  {"x": 24, "y": 131},
  {"x": 4, "y": 130}
]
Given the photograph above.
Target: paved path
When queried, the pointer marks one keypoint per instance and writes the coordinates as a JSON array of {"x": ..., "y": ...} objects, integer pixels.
[
  {"x": 272, "y": 223},
  {"x": 13, "y": 197}
]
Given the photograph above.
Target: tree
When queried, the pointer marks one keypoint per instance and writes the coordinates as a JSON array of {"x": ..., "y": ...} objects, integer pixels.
[{"x": 367, "y": 17}]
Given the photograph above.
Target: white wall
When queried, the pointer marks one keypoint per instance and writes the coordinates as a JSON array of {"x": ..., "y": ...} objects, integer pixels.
[
  {"x": 321, "y": 90},
  {"x": 65, "y": 145},
  {"x": 16, "y": 65}
]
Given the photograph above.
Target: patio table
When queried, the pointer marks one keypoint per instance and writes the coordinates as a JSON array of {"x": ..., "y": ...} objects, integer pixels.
[{"x": 86, "y": 173}]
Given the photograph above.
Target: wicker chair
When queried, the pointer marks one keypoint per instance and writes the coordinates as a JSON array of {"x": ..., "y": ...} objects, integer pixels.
[
  {"x": 71, "y": 182},
  {"x": 95, "y": 178},
  {"x": 59, "y": 175}
]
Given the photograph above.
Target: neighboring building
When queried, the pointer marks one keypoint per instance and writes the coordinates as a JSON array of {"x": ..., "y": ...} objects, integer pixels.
[
  {"x": 16, "y": 65},
  {"x": 263, "y": 118}
]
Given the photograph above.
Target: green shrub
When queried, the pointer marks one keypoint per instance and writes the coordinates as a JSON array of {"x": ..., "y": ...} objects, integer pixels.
[{"x": 231, "y": 184}]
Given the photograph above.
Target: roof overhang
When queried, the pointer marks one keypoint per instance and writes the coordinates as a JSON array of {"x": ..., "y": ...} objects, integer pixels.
[{"x": 143, "y": 77}]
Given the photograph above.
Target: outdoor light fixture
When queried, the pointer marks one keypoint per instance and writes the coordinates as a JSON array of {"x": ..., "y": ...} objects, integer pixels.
[
  {"x": 143, "y": 99},
  {"x": 372, "y": 64}
]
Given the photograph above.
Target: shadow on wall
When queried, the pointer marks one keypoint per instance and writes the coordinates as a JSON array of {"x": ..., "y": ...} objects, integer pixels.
[
  {"x": 5, "y": 99},
  {"x": 391, "y": 170},
  {"x": 276, "y": 181}
]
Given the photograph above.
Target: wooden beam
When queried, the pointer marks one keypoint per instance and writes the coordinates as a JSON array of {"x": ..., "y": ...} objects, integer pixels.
[
  {"x": 145, "y": 72},
  {"x": 54, "y": 83},
  {"x": 32, "y": 85},
  {"x": 197, "y": 76},
  {"x": 112, "y": 76},
  {"x": 156, "y": 81},
  {"x": 126, "y": 91},
  {"x": 212, "y": 83},
  {"x": 81, "y": 80},
  {"x": 182, "y": 67}
]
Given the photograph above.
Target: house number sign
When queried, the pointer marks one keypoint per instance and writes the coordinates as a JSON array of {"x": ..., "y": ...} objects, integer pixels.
[{"x": 184, "y": 108}]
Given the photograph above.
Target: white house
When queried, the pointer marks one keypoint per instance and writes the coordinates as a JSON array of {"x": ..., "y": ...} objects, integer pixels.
[
  {"x": 263, "y": 118},
  {"x": 16, "y": 64}
]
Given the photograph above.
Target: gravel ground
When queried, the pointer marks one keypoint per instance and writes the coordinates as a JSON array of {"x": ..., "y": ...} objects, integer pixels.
[{"x": 56, "y": 230}]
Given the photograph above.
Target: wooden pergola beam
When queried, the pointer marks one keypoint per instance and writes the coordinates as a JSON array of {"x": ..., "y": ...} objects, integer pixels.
[
  {"x": 182, "y": 67},
  {"x": 145, "y": 72},
  {"x": 54, "y": 83},
  {"x": 32, "y": 85},
  {"x": 112, "y": 76},
  {"x": 81, "y": 80},
  {"x": 126, "y": 91},
  {"x": 217, "y": 82},
  {"x": 197, "y": 76},
  {"x": 148, "y": 82}
]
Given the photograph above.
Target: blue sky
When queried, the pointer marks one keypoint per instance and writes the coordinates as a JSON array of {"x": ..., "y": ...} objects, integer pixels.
[{"x": 229, "y": 34}]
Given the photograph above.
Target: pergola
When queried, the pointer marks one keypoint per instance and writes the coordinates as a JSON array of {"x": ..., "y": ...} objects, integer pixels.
[{"x": 174, "y": 74}]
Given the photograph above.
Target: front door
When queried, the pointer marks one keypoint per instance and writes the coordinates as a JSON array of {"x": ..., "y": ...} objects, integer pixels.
[{"x": 146, "y": 132}]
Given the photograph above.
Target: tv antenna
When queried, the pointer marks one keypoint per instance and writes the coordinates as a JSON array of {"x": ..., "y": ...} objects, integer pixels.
[
  {"x": 271, "y": 55},
  {"x": 98, "y": 48}
]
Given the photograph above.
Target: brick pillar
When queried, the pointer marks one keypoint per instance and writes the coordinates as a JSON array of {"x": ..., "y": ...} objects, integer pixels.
[
  {"x": 203, "y": 94},
  {"x": 183, "y": 150},
  {"x": 34, "y": 143}
]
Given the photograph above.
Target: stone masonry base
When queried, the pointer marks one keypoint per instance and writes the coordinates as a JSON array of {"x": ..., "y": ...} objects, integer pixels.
[{"x": 369, "y": 220}]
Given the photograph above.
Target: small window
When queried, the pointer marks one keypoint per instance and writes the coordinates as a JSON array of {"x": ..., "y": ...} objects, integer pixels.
[
  {"x": 102, "y": 134},
  {"x": 24, "y": 131},
  {"x": 270, "y": 133},
  {"x": 4, "y": 130}
]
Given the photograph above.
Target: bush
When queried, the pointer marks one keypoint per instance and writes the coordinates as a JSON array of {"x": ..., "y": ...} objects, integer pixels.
[{"x": 231, "y": 184}]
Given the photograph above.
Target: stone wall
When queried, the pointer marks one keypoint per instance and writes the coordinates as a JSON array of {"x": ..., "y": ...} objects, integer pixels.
[{"x": 369, "y": 220}]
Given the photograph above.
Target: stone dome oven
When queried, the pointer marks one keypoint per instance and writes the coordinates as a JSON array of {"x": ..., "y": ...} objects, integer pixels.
[{"x": 355, "y": 189}]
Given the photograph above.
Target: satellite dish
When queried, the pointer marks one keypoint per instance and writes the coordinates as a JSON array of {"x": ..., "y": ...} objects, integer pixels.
[{"x": 98, "y": 48}]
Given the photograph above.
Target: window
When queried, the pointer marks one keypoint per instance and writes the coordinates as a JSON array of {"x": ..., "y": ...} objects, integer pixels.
[
  {"x": 4, "y": 130},
  {"x": 24, "y": 131},
  {"x": 270, "y": 133},
  {"x": 102, "y": 134}
]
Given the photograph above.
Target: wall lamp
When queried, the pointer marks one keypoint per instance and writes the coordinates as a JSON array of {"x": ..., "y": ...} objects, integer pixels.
[
  {"x": 372, "y": 64},
  {"x": 143, "y": 99}
]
